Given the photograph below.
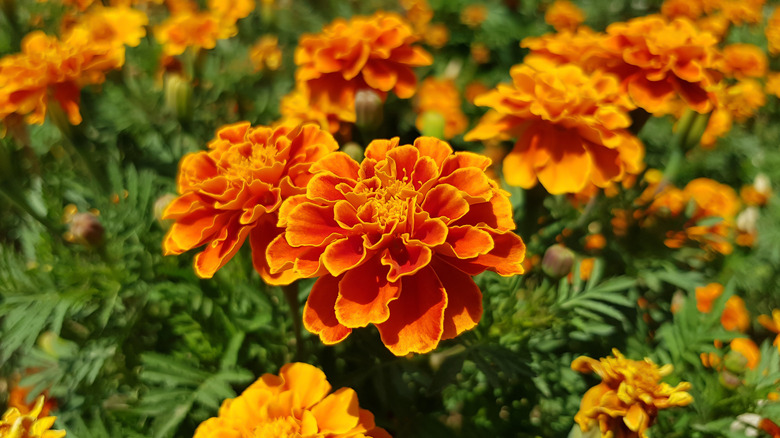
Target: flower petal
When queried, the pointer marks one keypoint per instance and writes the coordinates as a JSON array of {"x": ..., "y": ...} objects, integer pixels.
[
  {"x": 464, "y": 299},
  {"x": 307, "y": 382},
  {"x": 364, "y": 296},
  {"x": 338, "y": 413},
  {"x": 319, "y": 316}
]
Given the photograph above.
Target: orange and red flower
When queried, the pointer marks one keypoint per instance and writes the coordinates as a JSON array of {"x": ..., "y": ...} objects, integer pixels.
[
  {"x": 570, "y": 128},
  {"x": 233, "y": 191},
  {"x": 706, "y": 296},
  {"x": 395, "y": 241},
  {"x": 735, "y": 316},
  {"x": 295, "y": 403},
  {"x": 365, "y": 52},
  {"x": 626, "y": 402}
]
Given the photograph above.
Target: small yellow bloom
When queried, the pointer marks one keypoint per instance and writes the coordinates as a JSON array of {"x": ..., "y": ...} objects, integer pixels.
[
  {"x": 564, "y": 15},
  {"x": 436, "y": 35},
  {"x": 630, "y": 394},
  {"x": 773, "y": 32},
  {"x": 473, "y": 15},
  {"x": 266, "y": 53},
  {"x": 13, "y": 424},
  {"x": 772, "y": 324},
  {"x": 199, "y": 30}
]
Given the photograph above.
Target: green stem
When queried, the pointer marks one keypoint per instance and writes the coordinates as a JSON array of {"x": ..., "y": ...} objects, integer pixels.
[{"x": 291, "y": 295}]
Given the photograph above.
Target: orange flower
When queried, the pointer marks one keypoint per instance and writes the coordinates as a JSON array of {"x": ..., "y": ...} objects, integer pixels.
[
  {"x": 480, "y": 53},
  {"x": 735, "y": 316},
  {"x": 773, "y": 83},
  {"x": 706, "y": 296},
  {"x": 120, "y": 26},
  {"x": 441, "y": 96},
  {"x": 419, "y": 13},
  {"x": 595, "y": 242},
  {"x": 741, "y": 11},
  {"x": 772, "y": 31},
  {"x": 233, "y": 191},
  {"x": 748, "y": 349},
  {"x": 474, "y": 89},
  {"x": 758, "y": 193},
  {"x": 564, "y": 15},
  {"x": 630, "y": 394},
  {"x": 265, "y": 53},
  {"x": 199, "y": 30},
  {"x": 294, "y": 404},
  {"x": 586, "y": 268},
  {"x": 17, "y": 398},
  {"x": 691, "y": 9},
  {"x": 33, "y": 424},
  {"x": 772, "y": 324},
  {"x": 395, "y": 241},
  {"x": 473, "y": 15},
  {"x": 50, "y": 69},
  {"x": 296, "y": 109},
  {"x": 436, "y": 35},
  {"x": 365, "y": 52},
  {"x": 743, "y": 60},
  {"x": 716, "y": 24},
  {"x": 570, "y": 128},
  {"x": 232, "y": 11}
]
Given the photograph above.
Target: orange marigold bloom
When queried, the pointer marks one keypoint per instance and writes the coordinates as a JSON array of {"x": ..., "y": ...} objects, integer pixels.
[
  {"x": 595, "y": 242},
  {"x": 33, "y": 424},
  {"x": 121, "y": 25},
  {"x": 740, "y": 11},
  {"x": 772, "y": 324},
  {"x": 569, "y": 127},
  {"x": 441, "y": 96},
  {"x": 232, "y": 11},
  {"x": 480, "y": 53},
  {"x": 563, "y": 15},
  {"x": 365, "y": 52},
  {"x": 743, "y": 60},
  {"x": 265, "y": 53},
  {"x": 758, "y": 193},
  {"x": 706, "y": 296},
  {"x": 419, "y": 13},
  {"x": 716, "y": 24},
  {"x": 233, "y": 191},
  {"x": 735, "y": 316},
  {"x": 630, "y": 394},
  {"x": 586, "y": 268},
  {"x": 49, "y": 68},
  {"x": 296, "y": 108},
  {"x": 17, "y": 398},
  {"x": 748, "y": 349},
  {"x": 473, "y": 15},
  {"x": 395, "y": 241},
  {"x": 294, "y": 404},
  {"x": 772, "y": 31},
  {"x": 691, "y": 9},
  {"x": 436, "y": 35},
  {"x": 474, "y": 89},
  {"x": 196, "y": 29},
  {"x": 773, "y": 83}
]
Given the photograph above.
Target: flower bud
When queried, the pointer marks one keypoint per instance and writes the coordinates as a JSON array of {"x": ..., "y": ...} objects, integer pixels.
[
  {"x": 86, "y": 229},
  {"x": 178, "y": 96},
  {"x": 729, "y": 380},
  {"x": 432, "y": 124},
  {"x": 557, "y": 261},
  {"x": 368, "y": 109},
  {"x": 353, "y": 150},
  {"x": 159, "y": 208},
  {"x": 696, "y": 130}
]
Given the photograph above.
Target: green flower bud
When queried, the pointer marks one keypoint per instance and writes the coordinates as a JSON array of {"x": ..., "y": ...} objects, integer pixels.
[
  {"x": 433, "y": 124},
  {"x": 368, "y": 109},
  {"x": 557, "y": 261},
  {"x": 178, "y": 96}
]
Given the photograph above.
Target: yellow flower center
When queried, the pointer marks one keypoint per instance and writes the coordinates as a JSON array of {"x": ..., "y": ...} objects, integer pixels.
[
  {"x": 387, "y": 204},
  {"x": 284, "y": 427},
  {"x": 242, "y": 162}
]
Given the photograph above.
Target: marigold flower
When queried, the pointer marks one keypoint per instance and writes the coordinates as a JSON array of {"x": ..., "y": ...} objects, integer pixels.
[
  {"x": 773, "y": 83},
  {"x": 630, "y": 394},
  {"x": 739, "y": 11},
  {"x": 436, "y": 35},
  {"x": 564, "y": 15},
  {"x": 232, "y": 11},
  {"x": 233, "y": 191},
  {"x": 473, "y": 15},
  {"x": 294, "y": 404},
  {"x": 296, "y": 108},
  {"x": 199, "y": 30},
  {"x": 691, "y": 9},
  {"x": 595, "y": 242},
  {"x": 772, "y": 324},
  {"x": 748, "y": 349},
  {"x": 716, "y": 24},
  {"x": 17, "y": 398},
  {"x": 480, "y": 53},
  {"x": 14, "y": 424},
  {"x": 758, "y": 193},
  {"x": 569, "y": 127},
  {"x": 706, "y": 296},
  {"x": 772, "y": 31},
  {"x": 735, "y": 316},
  {"x": 743, "y": 60},
  {"x": 441, "y": 96},
  {"x": 419, "y": 14},
  {"x": 265, "y": 53},
  {"x": 121, "y": 25},
  {"x": 365, "y": 52},
  {"x": 395, "y": 241},
  {"x": 48, "y": 68}
]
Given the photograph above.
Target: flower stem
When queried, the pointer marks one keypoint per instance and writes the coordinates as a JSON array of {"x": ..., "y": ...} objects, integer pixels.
[{"x": 291, "y": 295}]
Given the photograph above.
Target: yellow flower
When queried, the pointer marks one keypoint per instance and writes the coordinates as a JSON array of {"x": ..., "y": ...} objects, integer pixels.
[
  {"x": 436, "y": 35},
  {"x": 292, "y": 405},
  {"x": 772, "y": 324},
  {"x": 473, "y": 15},
  {"x": 773, "y": 84},
  {"x": 630, "y": 394},
  {"x": 266, "y": 53},
  {"x": 772, "y": 31},
  {"x": 231, "y": 11},
  {"x": 121, "y": 25},
  {"x": 743, "y": 60},
  {"x": 15, "y": 425},
  {"x": 199, "y": 30},
  {"x": 563, "y": 14}
]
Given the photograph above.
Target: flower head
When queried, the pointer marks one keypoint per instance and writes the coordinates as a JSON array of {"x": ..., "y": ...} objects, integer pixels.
[
  {"x": 563, "y": 14},
  {"x": 119, "y": 25},
  {"x": 772, "y": 31},
  {"x": 570, "y": 128},
  {"x": 441, "y": 96},
  {"x": 365, "y": 52},
  {"x": 294, "y": 404},
  {"x": 473, "y": 15},
  {"x": 743, "y": 60},
  {"x": 395, "y": 241},
  {"x": 32, "y": 424},
  {"x": 265, "y": 53},
  {"x": 197, "y": 29},
  {"x": 706, "y": 296},
  {"x": 772, "y": 324},
  {"x": 630, "y": 394},
  {"x": 735, "y": 316},
  {"x": 233, "y": 191}
]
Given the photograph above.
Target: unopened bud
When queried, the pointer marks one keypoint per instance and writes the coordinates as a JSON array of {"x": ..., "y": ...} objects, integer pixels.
[
  {"x": 368, "y": 109},
  {"x": 735, "y": 362},
  {"x": 86, "y": 229},
  {"x": 353, "y": 150},
  {"x": 178, "y": 96},
  {"x": 159, "y": 208},
  {"x": 729, "y": 380},
  {"x": 696, "y": 130},
  {"x": 55, "y": 346},
  {"x": 432, "y": 124},
  {"x": 557, "y": 261}
]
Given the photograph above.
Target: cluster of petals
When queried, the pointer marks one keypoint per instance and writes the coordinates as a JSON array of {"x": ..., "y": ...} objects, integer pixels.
[
  {"x": 265, "y": 53},
  {"x": 395, "y": 241},
  {"x": 49, "y": 68},
  {"x": 570, "y": 127},
  {"x": 442, "y": 97},
  {"x": 627, "y": 401},
  {"x": 737, "y": 12},
  {"x": 564, "y": 15},
  {"x": 739, "y": 101},
  {"x": 772, "y": 31},
  {"x": 189, "y": 27},
  {"x": 233, "y": 192},
  {"x": 772, "y": 323},
  {"x": 658, "y": 61},
  {"x": 32, "y": 424},
  {"x": 373, "y": 52},
  {"x": 296, "y": 403}
]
